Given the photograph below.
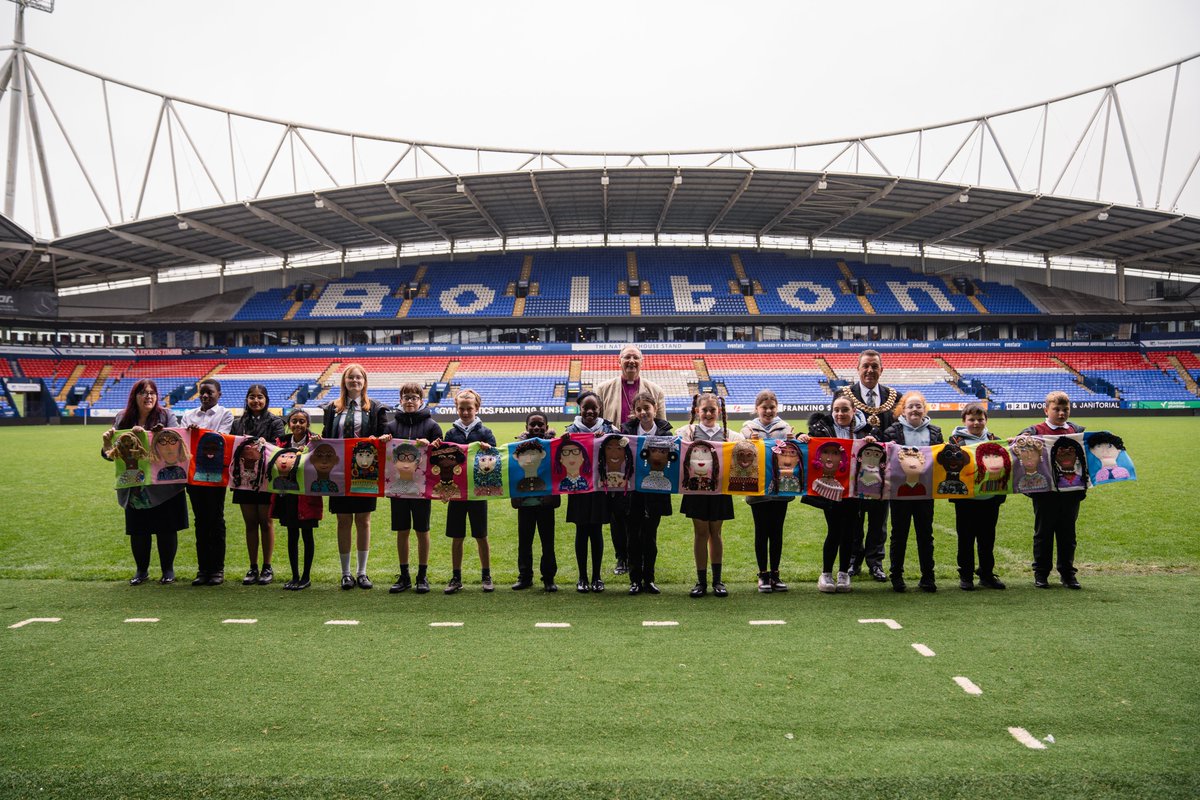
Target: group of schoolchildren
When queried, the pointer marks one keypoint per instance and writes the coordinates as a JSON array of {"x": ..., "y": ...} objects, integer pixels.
[{"x": 633, "y": 517}]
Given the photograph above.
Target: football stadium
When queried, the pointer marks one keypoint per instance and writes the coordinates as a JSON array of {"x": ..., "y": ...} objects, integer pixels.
[{"x": 345, "y": 344}]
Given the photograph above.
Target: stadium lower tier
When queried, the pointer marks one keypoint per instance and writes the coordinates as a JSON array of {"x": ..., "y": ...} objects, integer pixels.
[{"x": 549, "y": 380}]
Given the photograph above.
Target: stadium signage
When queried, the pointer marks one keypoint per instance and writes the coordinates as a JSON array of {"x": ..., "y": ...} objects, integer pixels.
[
  {"x": 1163, "y": 404},
  {"x": 26, "y": 303},
  {"x": 20, "y": 386}
]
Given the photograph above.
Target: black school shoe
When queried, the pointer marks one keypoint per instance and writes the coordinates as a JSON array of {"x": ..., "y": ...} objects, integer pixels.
[
  {"x": 699, "y": 590},
  {"x": 927, "y": 585},
  {"x": 216, "y": 579},
  {"x": 266, "y": 576},
  {"x": 422, "y": 586},
  {"x": 348, "y": 582},
  {"x": 719, "y": 590},
  {"x": 251, "y": 578},
  {"x": 201, "y": 579},
  {"x": 549, "y": 586},
  {"x": 650, "y": 587},
  {"x": 522, "y": 583},
  {"x": 1071, "y": 582},
  {"x": 403, "y": 584},
  {"x": 1040, "y": 582},
  {"x": 991, "y": 582},
  {"x": 139, "y": 578},
  {"x": 582, "y": 586}
]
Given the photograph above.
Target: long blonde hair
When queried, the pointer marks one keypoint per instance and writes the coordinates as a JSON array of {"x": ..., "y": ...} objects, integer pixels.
[{"x": 339, "y": 405}]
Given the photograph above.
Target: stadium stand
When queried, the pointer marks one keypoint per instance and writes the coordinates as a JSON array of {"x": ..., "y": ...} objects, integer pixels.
[{"x": 675, "y": 282}]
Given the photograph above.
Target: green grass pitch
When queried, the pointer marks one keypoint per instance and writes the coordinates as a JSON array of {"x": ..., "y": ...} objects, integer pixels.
[{"x": 822, "y": 706}]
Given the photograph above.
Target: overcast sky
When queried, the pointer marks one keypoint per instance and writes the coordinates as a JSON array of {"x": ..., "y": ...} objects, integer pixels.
[{"x": 615, "y": 75}]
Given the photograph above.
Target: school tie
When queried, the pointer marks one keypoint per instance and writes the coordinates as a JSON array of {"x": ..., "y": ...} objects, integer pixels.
[{"x": 348, "y": 424}]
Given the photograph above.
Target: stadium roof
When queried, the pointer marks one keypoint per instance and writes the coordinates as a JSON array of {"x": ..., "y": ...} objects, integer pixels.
[{"x": 599, "y": 202}]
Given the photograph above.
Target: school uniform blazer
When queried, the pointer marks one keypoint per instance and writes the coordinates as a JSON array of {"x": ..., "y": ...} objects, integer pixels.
[
  {"x": 265, "y": 426},
  {"x": 376, "y": 421}
]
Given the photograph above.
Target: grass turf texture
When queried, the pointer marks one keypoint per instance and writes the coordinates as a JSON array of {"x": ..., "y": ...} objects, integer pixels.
[{"x": 497, "y": 708}]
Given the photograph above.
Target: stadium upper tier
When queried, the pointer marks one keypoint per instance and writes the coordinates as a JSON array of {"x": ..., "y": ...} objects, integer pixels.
[
  {"x": 647, "y": 282},
  {"x": 802, "y": 376}
]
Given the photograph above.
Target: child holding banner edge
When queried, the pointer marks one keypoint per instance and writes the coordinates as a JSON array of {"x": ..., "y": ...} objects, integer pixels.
[
  {"x": 975, "y": 518},
  {"x": 708, "y": 512},
  {"x": 412, "y": 421},
  {"x": 912, "y": 430},
  {"x": 466, "y": 429}
]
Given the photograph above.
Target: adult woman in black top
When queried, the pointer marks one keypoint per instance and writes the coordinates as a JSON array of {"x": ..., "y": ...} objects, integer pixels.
[
  {"x": 149, "y": 510},
  {"x": 354, "y": 416},
  {"x": 256, "y": 422}
]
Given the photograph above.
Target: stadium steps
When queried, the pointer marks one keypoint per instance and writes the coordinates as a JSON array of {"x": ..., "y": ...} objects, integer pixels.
[
  {"x": 1078, "y": 375},
  {"x": 211, "y": 374},
  {"x": 93, "y": 395},
  {"x": 575, "y": 372},
  {"x": 451, "y": 367},
  {"x": 944, "y": 364},
  {"x": 847, "y": 286},
  {"x": 526, "y": 273},
  {"x": 825, "y": 368},
  {"x": 701, "y": 368},
  {"x": 631, "y": 272},
  {"x": 1188, "y": 380},
  {"x": 979, "y": 306},
  {"x": 70, "y": 382},
  {"x": 739, "y": 270},
  {"x": 560, "y": 391},
  {"x": 422, "y": 291}
]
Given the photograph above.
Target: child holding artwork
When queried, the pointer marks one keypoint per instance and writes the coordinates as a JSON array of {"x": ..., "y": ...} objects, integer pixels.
[
  {"x": 256, "y": 422},
  {"x": 466, "y": 429},
  {"x": 841, "y": 516},
  {"x": 1055, "y": 512},
  {"x": 590, "y": 512},
  {"x": 975, "y": 518},
  {"x": 643, "y": 511},
  {"x": 701, "y": 470},
  {"x": 299, "y": 514},
  {"x": 536, "y": 515},
  {"x": 208, "y": 502},
  {"x": 769, "y": 511},
  {"x": 412, "y": 421},
  {"x": 353, "y": 415},
  {"x": 912, "y": 430}
]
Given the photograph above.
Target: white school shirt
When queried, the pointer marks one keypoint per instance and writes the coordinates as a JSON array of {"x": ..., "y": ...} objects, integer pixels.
[{"x": 218, "y": 418}]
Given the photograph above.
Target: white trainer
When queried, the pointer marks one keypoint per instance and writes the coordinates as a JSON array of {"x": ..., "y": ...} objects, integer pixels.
[
  {"x": 825, "y": 583},
  {"x": 843, "y": 581}
]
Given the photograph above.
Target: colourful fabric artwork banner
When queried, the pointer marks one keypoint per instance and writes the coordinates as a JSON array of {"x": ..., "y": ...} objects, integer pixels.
[
  {"x": 131, "y": 459},
  {"x": 747, "y": 467},
  {"x": 212, "y": 453},
  {"x": 657, "y": 468},
  {"x": 834, "y": 469},
  {"x": 1107, "y": 461},
  {"x": 615, "y": 463},
  {"x": 407, "y": 464},
  {"x": 572, "y": 457},
  {"x": 529, "y": 467},
  {"x": 786, "y": 459},
  {"x": 829, "y": 465},
  {"x": 486, "y": 476}
]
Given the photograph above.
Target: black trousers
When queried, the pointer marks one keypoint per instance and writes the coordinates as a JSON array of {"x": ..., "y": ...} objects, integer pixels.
[
  {"x": 618, "y": 531},
  {"x": 539, "y": 519},
  {"x": 918, "y": 513},
  {"x": 768, "y": 533},
  {"x": 208, "y": 514},
  {"x": 873, "y": 515},
  {"x": 841, "y": 525},
  {"x": 975, "y": 524},
  {"x": 1054, "y": 516},
  {"x": 589, "y": 533},
  {"x": 642, "y": 553}
]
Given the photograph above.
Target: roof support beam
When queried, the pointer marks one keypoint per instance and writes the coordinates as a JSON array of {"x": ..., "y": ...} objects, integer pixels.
[
  {"x": 1131, "y": 233},
  {"x": 987, "y": 219},
  {"x": 676, "y": 180},
  {"x": 144, "y": 241},
  {"x": 233, "y": 238},
  {"x": 263, "y": 214},
  {"x": 1166, "y": 251},
  {"x": 112, "y": 262},
  {"x": 729, "y": 204},
  {"x": 863, "y": 204},
  {"x": 355, "y": 220},
  {"x": 936, "y": 205},
  {"x": 31, "y": 258},
  {"x": 411, "y": 208},
  {"x": 792, "y": 206},
  {"x": 466, "y": 190},
  {"x": 537, "y": 192},
  {"x": 1065, "y": 222}
]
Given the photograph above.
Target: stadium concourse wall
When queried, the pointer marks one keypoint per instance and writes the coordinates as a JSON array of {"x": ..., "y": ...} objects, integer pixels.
[{"x": 838, "y": 352}]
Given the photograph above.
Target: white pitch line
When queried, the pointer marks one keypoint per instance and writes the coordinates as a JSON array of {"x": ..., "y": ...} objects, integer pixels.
[
  {"x": 891, "y": 623},
  {"x": 967, "y": 685},
  {"x": 341, "y": 622},
  {"x": 142, "y": 619},
  {"x": 25, "y": 622},
  {"x": 238, "y": 621},
  {"x": 659, "y": 623},
  {"x": 551, "y": 624},
  {"x": 768, "y": 622},
  {"x": 923, "y": 650},
  {"x": 1026, "y": 738},
  {"x": 445, "y": 624}
]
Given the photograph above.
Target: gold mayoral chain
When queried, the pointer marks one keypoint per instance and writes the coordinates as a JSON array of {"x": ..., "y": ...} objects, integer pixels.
[{"x": 873, "y": 412}]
